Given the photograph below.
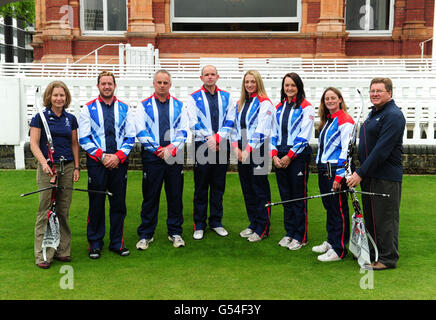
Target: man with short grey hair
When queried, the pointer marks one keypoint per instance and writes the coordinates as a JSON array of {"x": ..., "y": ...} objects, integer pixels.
[{"x": 161, "y": 123}]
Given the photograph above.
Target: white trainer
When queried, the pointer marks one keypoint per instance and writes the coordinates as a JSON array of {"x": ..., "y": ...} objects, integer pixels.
[
  {"x": 296, "y": 245},
  {"x": 177, "y": 241},
  {"x": 220, "y": 231},
  {"x": 254, "y": 237},
  {"x": 322, "y": 248},
  {"x": 285, "y": 241},
  {"x": 330, "y": 255},
  {"x": 198, "y": 234},
  {"x": 246, "y": 233},
  {"x": 143, "y": 244}
]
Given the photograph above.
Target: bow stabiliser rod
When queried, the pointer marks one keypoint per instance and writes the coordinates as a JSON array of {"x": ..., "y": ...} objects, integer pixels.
[
  {"x": 351, "y": 191},
  {"x": 54, "y": 186},
  {"x": 326, "y": 195}
]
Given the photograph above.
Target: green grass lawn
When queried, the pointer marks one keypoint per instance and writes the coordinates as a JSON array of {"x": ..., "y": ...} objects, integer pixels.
[{"x": 227, "y": 268}]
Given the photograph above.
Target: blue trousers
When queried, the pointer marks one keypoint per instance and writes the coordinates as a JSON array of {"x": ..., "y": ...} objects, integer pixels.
[
  {"x": 155, "y": 173},
  {"x": 209, "y": 176},
  {"x": 257, "y": 193},
  {"x": 114, "y": 181},
  {"x": 292, "y": 184},
  {"x": 338, "y": 219}
]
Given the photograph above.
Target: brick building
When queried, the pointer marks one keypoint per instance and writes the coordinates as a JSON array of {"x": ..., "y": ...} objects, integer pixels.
[{"x": 70, "y": 29}]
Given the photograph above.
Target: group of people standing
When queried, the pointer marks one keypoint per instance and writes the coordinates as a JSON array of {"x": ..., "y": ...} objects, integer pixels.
[{"x": 257, "y": 133}]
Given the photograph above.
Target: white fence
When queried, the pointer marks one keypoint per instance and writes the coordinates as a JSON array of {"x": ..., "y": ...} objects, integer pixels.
[
  {"x": 144, "y": 66},
  {"x": 416, "y": 96}
]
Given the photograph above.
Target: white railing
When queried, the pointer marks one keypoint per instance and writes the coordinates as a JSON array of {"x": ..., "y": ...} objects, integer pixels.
[{"x": 234, "y": 68}]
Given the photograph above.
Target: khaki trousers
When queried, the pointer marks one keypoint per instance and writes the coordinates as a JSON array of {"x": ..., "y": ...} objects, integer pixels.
[{"x": 63, "y": 201}]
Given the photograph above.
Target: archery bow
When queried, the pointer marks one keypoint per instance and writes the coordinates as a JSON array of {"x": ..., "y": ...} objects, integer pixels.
[
  {"x": 359, "y": 235},
  {"x": 358, "y": 240},
  {"x": 52, "y": 234}
]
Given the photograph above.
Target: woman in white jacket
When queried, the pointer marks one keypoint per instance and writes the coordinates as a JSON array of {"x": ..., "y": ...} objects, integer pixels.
[{"x": 253, "y": 127}]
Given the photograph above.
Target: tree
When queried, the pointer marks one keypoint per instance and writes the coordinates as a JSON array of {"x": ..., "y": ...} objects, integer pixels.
[{"x": 24, "y": 10}]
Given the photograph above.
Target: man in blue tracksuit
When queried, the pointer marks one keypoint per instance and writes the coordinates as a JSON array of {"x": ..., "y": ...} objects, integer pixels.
[
  {"x": 212, "y": 118},
  {"x": 107, "y": 134},
  {"x": 161, "y": 123},
  {"x": 381, "y": 171}
]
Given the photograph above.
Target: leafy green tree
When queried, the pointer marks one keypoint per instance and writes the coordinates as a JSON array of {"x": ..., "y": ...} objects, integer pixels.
[{"x": 24, "y": 10}]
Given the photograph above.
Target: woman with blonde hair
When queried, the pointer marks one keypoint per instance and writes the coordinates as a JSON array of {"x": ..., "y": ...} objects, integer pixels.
[
  {"x": 63, "y": 129},
  {"x": 335, "y": 129},
  {"x": 253, "y": 127}
]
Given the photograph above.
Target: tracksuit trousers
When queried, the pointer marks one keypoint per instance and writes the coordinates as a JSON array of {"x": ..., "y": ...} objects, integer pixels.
[
  {"x": 382, "y": 218},
  {"x": 155, "y": 172},
  {"x": 292, "y": 184},
  {"x": 338, "y": 219},
  {"x": 257, "y": 193},
  {"x": 114, "y": 181},
  {"x": 209, "y": 176}
]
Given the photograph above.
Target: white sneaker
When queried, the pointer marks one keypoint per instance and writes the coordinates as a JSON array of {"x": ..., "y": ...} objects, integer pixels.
[
  {"x": 246, "y": 233},
  {"x": 330, "y": 255},
  {"x": 177, "y": 241},
  {"x": 296, "y": 245},
  {"x": 254, "y": 237},
  {"x": 220, "y": 231},
  {"x": 143, "y": 244},
  {"x": 198, "y": 234},
  {"x": 324, "y": 247},
  {"x": 285, "y": 241}
]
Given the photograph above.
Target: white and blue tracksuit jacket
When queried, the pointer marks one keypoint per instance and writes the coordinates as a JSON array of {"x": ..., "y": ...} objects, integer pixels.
[
  {"x": 92, "y": 133},
  {"x": 333, "y": 142},
  {"x": 300, "y": 127},
  {"x": 200, "y": 119},
  {"x": 258, "y": 120},
  {"x": 147, "y": 124}
]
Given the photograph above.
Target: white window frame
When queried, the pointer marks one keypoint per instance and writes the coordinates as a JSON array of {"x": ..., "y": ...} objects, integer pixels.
[
  {"x": 103, "y": 32},
  {"x": 368, "y": 32},
  {"x": 296, "y": 19}
]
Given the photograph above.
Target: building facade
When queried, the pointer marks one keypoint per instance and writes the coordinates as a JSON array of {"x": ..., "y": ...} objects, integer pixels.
[
  {"x": 15, "y": 40},
  {"x": 70, "y": 29}
]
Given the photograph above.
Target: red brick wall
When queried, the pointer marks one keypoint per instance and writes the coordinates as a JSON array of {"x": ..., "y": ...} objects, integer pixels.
[
  {"x": 369, "y": 47},
  {"x": 57, "y": 47},
  {"x": 313, "y": 12},
  {"x": 238, "y": 46},
  {"x": 415, "y": 10},
  {"x": 159, "y": 12},
  {"x": 85, "y": 47},
  {"x": 53, "y": 8},
  {"x": 251, "y": 45},
  {"x": 429, "y": 11}
]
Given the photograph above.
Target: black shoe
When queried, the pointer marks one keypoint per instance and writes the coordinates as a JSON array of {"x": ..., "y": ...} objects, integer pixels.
[
  {"x": 95, "y": 253},
  {"x": 124, "y": 252}
]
